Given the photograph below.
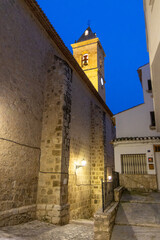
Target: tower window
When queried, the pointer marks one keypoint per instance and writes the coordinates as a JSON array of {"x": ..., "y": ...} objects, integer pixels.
[
  {"x": 153, "y": 123},
  {"x": 149, "y": 85},
  {"x": 85, "y": 60}
]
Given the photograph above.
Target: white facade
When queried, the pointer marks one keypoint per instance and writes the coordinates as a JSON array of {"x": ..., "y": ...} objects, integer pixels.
[
  {"x": 136, "y": 135},
  {"x": 152, "y": 19},
  {"x": 135, "y": 147},
  {"x": 136, "y": 122}
]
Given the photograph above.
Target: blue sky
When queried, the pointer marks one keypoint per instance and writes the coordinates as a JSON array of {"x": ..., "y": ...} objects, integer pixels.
[{"x": 120, "y": 26}]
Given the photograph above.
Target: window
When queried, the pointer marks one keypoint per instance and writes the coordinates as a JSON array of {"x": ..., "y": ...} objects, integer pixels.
[
  {"x": 153, "y": 123},
  {"x": 85, "y": 60},
  {"x": 134, "y": 164},
  {"x": 149, "y": 85},
  {"x": 157, "y": 148}
]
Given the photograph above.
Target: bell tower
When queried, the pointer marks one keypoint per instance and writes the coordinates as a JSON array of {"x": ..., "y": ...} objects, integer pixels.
[{"x": 90, "y": 55}]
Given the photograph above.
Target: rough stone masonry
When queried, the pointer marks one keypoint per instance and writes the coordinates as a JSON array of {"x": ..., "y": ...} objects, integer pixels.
[{"x": 51, "y": 118}]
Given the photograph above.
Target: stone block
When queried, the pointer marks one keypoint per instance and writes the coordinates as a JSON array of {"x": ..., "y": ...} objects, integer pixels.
[
  {"x": 143, "y": 183},
  {"x": 118, "y": 193},
  {"x": 49, "y": 207},
  {"x": 55, "y": 220},
  {"x": 104, "y": 221}
]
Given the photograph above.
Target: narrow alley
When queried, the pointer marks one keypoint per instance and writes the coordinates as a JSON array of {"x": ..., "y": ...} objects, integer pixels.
[{"x": 138, "y": 217}]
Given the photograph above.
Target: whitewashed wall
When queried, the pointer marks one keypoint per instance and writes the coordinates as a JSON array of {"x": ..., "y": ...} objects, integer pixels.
[
  {"x": 152, "y": 13},
  {"x": 136, "y": 121},
  {"x": 133, "y": 148},
  {"x": 152, "y": 18}
]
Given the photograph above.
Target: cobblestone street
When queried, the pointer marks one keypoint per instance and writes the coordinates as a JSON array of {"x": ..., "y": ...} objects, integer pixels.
[{"x": 37, "y": 230}]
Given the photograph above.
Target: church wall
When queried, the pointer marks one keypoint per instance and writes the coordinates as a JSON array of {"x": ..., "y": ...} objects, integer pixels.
[
  {"x": 110, "y": 134},
  {"x": 79, "y": 180},
  {"x": 22, "y": 75},
  {"x": 100, "y": 56},
  {"x": 52, "y": 199},
  {"x": 39, "y": 127},
  {"x": 91, "y": 132},
  {"x": 98, "y": 156}
]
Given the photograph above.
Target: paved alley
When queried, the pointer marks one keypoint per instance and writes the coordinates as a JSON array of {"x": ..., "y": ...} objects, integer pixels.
[
  {"x": 37, "y": 230},
  {"x": 138, "y": 217}
]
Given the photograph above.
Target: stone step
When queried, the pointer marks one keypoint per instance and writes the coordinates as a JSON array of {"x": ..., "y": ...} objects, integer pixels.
[
  {"x": 82, "y": 221},
  {"x": 135, "y": 233},
  {"x": 138, "y": 214}
]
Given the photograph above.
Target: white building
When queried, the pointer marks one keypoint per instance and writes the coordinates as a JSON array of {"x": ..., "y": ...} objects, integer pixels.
[
  {"x": 152, "y": 19},
  {"x": 137, "y": 142}
]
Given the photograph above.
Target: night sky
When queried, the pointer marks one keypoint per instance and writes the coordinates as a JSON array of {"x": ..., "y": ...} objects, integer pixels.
[{"x": 120, "y": 26}]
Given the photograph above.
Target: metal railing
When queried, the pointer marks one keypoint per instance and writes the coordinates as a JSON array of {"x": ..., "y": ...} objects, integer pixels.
[{"x": 108, "y": 189}]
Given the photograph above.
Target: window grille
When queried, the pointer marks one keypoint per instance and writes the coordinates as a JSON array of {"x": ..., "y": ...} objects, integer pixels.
[{"x": 134, "y": 163}]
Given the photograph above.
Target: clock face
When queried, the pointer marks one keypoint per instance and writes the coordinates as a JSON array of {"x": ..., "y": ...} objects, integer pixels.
[{"x": 102, "y": 82}]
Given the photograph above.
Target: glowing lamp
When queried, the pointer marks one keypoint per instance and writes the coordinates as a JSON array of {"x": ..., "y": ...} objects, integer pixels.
[
  {"x": 83, "y": 163},
  {"x": 109, "y": 178}
]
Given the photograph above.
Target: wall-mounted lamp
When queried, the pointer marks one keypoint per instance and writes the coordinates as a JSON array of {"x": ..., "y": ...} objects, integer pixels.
[
  {"x": 83, "y": 163},
  {"x": 109, "y": 178}
]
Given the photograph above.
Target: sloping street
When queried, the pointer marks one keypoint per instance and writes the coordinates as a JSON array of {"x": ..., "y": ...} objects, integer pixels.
[{"x": 138, "y": 217}]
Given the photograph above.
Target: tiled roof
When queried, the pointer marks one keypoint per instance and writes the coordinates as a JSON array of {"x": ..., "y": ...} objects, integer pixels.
[
  {"x": 45, "y": 23},
  {"x": 135, "y": 139},
  {"x": 88, "y": 36}
]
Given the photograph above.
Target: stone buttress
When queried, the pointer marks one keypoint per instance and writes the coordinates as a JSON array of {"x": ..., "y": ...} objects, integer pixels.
[
  {"x": 98, "y": 155},
  {"x": 52, "y": 199}
]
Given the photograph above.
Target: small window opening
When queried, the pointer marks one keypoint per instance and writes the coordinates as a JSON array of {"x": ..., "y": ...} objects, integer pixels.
[
  {"x": 85, "y": 60},
  {"x": 149, "y": 85},
  {"x": 157, "y": 148},
  {"x": 153, "y": 123}
]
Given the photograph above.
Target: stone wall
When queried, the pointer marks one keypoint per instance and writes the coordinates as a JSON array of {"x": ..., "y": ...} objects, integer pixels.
[
  {"x": 50, "y": 119},
  {"x": 22, "y": 74},
  {"x": 91, "y": 143},
  {"x": 109, "y": 150},
  {"x": 104, "y": 222},
  {"x": 139, "y": 182},
  {"x": 52, "y": 202},
  {"x": 79, "y": 180},
  {"x": 97, "y": 156}
]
